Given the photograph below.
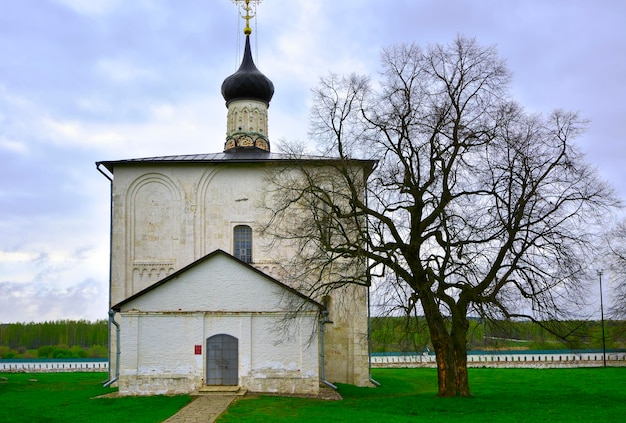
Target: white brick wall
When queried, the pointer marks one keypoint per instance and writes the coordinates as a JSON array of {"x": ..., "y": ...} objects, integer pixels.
[
  {"x": 161, "y": 328},
  {"x": 161, "y": 359}
]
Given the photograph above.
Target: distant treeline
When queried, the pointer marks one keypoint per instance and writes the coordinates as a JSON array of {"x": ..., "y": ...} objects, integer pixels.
[
  {"x": 61, "y": 338},
  {"x": 401, "y": 334},
  {"x": 71, "y": 339}
]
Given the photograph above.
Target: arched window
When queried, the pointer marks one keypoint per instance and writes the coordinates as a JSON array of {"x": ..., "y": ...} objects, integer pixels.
[{"x": 242, "y": 235}]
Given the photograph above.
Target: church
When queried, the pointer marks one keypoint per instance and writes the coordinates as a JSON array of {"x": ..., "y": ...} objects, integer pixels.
[{"x": 197, "y": 299}]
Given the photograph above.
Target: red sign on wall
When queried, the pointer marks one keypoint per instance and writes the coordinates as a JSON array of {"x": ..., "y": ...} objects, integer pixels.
[{"x": 198, "y": 349}]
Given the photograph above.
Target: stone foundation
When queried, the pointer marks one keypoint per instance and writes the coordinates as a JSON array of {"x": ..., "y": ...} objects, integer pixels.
[{"x": 142, "y": 385}]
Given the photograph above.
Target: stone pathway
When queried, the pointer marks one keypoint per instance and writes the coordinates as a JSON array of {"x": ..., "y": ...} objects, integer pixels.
[
  {"x": 203, "y": 409},
  {"x": 208, "y": 403}
]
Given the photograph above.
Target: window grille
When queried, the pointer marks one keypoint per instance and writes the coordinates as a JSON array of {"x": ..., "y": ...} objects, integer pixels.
[{"x": 243, "y": 243}]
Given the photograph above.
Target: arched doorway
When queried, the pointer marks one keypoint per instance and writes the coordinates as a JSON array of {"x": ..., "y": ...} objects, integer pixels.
[{"x": 222, "y": 360}]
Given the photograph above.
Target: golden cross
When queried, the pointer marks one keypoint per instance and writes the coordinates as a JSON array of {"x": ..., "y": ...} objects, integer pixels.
[{"x": 249, "y": 12}]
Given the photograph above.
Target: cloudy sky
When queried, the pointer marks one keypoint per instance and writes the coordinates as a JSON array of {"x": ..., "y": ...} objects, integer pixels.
[{"x": 89, "y": 80}]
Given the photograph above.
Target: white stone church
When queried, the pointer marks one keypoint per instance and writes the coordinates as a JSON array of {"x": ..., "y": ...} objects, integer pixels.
[{"x": 196, "y": 295}]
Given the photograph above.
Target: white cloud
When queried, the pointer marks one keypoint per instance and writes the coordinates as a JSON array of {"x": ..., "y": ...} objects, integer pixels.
[
  {"x": 120, "y": 71},
  {"x": 37, "y": 302},
  {"x": 193, "y": 126},
  {"x": 16, "y": 257},
  {"x": 13, "y": 146},
  {"x": 92, "y": 7},
  {"x": 70, "y": 256}
]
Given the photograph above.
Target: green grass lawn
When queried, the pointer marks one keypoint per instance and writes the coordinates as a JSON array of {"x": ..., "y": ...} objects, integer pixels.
[
  {"x": 501, "y": 395},
  {"x": 69, "y": 398},
  {"x": 406, "y": 395}
]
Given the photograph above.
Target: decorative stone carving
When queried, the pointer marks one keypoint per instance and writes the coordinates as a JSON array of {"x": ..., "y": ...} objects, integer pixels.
[
  {"x": 247, "y": 125},
  {"x": 145, "y": 273}
]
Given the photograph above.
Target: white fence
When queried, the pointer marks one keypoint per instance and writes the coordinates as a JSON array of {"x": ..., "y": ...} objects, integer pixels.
[
  {"x": 67, "y": 365},
  {"x": 510, "y": 359}
]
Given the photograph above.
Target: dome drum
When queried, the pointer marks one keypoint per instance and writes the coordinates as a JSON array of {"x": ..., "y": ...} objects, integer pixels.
[{"x": 246, "y": 140}]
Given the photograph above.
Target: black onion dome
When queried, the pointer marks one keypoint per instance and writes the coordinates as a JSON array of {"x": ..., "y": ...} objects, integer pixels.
[{"x": 248, "y": 83}]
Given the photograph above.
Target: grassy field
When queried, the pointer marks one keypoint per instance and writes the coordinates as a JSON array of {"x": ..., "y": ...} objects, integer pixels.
[
  {"x": 501, "y": 395},
  {"x": 406, "y": 395},
  {"x": 69, "y": 397}
]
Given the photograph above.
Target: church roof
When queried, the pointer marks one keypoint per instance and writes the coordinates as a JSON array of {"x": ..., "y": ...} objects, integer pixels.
[
  {"x": 207, "y": 258},
  {"x": 237, "y": 156}
]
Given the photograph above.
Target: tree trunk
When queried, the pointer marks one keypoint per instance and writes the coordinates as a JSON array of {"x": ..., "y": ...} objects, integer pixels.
[
  {"x": 460, "y": 326},
  {"x": 450, "y": 352},
  {"x": 446, "y": 362}
]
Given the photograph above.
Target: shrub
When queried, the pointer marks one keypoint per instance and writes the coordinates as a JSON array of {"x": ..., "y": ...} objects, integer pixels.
[
  {"x": 97, "y": 351},
  {"x": 45, "y": 352}
]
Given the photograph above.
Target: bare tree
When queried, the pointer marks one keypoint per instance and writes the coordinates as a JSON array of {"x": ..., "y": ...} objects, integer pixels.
[
  {"x": 474, "y": 206},
  {"x": 616, "y": 260}
]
